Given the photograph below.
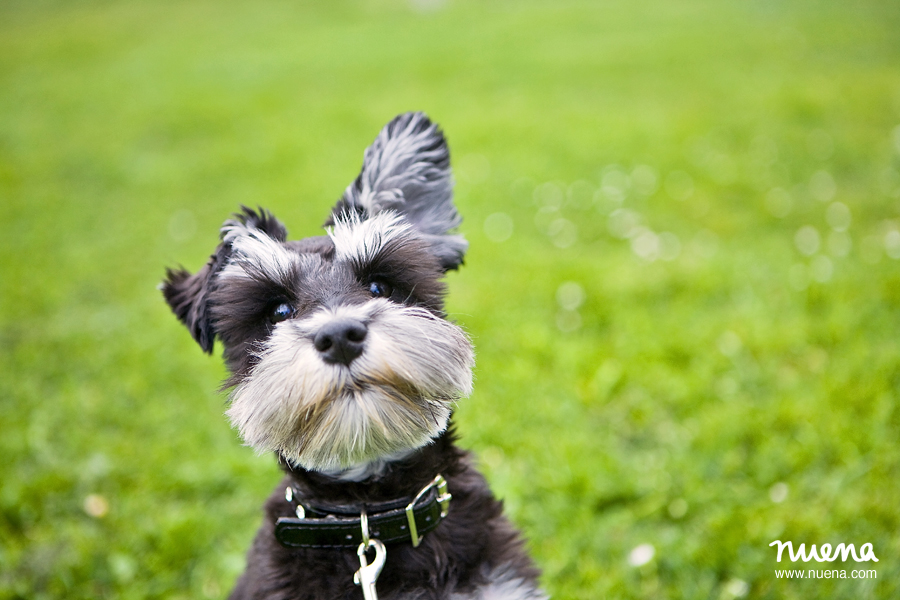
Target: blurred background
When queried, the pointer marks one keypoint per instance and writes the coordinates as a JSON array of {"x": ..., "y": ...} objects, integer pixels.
[{"x": 683, "y": 280}]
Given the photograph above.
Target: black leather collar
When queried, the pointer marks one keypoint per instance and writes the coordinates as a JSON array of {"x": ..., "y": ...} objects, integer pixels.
[{"x": 342, "y": 526}]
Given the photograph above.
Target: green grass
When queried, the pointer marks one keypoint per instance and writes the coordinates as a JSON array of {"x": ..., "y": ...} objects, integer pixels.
[{"x": 668, "y": 408}]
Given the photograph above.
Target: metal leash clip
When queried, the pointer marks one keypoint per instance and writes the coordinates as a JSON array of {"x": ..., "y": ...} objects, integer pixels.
[{"x": 368, "y": 574}]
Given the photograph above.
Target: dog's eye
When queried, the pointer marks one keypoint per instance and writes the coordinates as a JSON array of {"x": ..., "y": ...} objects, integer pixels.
[
  {"x": 380, "y": 289},
  {"x": 281, "y": 312}
]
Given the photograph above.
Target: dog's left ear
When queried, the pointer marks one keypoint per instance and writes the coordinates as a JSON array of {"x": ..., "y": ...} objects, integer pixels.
[
  {"x": 188, "y": 295},
  {"x": 407, "y": 170}
]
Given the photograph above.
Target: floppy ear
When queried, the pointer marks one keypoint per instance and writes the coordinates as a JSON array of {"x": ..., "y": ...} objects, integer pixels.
[
  {"x": 188, "y": 295},
  {"x": 407, "y": 170}
]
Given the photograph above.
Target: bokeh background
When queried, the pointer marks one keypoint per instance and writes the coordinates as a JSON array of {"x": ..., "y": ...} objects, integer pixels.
[{"x": 683, "y": 280}]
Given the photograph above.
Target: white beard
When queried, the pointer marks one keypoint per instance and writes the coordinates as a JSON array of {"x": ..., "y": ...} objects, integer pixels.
[{"x": 396, "y": 396}]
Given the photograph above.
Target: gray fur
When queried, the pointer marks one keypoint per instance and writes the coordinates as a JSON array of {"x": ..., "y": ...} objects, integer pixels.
[
  {"x": 407, "y": 170},
  {"x": 374, "y": 427},
  {"x": 253, "y": 252},
  {"x": 330, "y": 416},
  {"x": 504, "y": 583},
  {"x": 360, "y": 241}
]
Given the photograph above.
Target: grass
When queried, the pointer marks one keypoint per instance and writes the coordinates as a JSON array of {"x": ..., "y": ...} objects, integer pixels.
[{"x": 707, "y": 391}]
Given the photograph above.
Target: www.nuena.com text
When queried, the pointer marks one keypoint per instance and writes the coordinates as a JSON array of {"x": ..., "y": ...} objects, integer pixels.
[{"x": 825, "y": 574}]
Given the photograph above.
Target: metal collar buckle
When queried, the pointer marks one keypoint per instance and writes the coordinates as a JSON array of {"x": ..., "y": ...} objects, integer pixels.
[{"x": 443, "y": 497}]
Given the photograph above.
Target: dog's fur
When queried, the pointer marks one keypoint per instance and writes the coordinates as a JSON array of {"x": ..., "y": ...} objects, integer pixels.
[{"x": 344, "y": 365}]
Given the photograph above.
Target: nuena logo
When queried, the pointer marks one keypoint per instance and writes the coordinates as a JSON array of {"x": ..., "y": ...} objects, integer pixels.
[{"x": 826, "y": 553}]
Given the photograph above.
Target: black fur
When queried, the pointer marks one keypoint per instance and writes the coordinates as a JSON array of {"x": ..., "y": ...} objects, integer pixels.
[
  {"x": 238, "y": 297},
  {"x": 450, "y": 559},
  {"x": 188, "y": 295},
  {"x": 407, "y": 169},
  {"x": 237, "y": 313}
]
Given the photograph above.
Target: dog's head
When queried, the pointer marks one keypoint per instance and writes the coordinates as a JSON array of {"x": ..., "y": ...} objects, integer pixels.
[{"x": 338, "y": 347}]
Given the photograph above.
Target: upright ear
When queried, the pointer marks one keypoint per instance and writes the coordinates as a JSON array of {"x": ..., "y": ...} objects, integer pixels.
[
  {"x": 188, "y": 295},
  {"x": 407, "y": 170}
]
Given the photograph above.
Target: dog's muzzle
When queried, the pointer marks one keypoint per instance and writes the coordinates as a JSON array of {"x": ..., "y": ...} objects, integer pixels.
[{"x": 352, "y": 384}]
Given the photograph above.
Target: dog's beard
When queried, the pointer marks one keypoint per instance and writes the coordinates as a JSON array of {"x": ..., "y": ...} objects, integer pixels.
[{"x": 395, "y": 396}]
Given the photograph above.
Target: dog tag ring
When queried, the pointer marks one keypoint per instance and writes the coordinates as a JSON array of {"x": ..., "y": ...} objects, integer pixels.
[{"x": 368, "y": 574}]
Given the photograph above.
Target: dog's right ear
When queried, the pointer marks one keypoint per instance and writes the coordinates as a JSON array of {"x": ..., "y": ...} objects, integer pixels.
[{"x": 188, "y": 295}]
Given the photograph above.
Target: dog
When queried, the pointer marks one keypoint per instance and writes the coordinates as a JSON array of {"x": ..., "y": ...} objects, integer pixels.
[{"x": 344, "y": 365}]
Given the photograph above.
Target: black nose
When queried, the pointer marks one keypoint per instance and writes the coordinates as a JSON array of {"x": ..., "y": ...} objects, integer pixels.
[{"x": 341, "y": 340}]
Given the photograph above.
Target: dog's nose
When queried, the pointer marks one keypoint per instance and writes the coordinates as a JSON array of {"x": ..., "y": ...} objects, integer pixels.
[{"x": 341, "y": 340}]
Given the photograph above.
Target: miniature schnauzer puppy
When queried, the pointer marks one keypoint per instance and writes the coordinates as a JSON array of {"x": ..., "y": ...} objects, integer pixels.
[{"x": 344, "y": 365}]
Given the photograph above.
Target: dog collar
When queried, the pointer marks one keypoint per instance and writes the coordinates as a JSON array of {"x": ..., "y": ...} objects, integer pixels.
[{"x": 344, "y": 526}]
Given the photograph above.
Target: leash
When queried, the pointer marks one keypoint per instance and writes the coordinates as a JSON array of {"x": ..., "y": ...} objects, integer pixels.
[{"x": 337, "y": 526}]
